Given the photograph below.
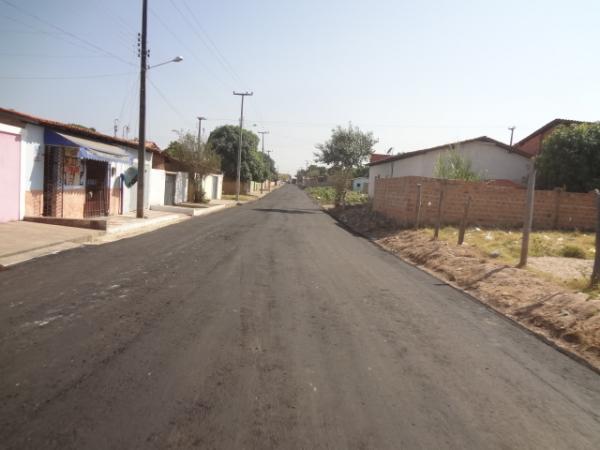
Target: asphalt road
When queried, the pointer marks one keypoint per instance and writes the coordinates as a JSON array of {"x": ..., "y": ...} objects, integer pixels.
[{"x": 269, "y": 326}]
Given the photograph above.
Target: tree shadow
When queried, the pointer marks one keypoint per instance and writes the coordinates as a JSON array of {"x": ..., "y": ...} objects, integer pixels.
[{"x": 287, "y": 211}]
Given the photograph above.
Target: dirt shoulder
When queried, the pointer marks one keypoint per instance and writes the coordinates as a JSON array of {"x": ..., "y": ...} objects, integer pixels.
[{"x": 570, "y": 320}]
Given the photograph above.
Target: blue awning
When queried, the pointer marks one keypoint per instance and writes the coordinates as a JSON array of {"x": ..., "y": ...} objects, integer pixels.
[{"x": 88, "y": 149}]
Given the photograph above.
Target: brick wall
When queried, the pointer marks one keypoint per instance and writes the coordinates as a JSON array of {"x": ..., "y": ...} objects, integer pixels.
[
  {"x": 491, "y": 205},
  {"x": 229, "y": 187}
]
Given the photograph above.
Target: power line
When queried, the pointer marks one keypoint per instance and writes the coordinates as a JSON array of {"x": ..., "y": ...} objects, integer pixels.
[
  {"x": 166, "y": 100},
  {"x": 192, "y": 52},
  {"x": 68, "y": 33},
  {"x": 75, "y": 77},
  {"x": 214, "y": 50},
  {"x": 41, "y": 55}
]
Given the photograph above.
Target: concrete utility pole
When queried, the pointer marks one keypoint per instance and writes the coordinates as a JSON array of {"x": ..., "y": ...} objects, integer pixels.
[
  {"x": 239, "y": 159},
  {"x": 142, "y": 130},
  {"x": 116, "y": 127},
  {"x": 512, "y": 131},
  {"x": 200, "y": 119},
  {"x": 269, "y": 170},
  {"x": 262, "y": 139}
]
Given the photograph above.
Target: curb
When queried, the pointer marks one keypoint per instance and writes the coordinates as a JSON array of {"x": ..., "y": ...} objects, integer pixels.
[{"x": 565, "y": 351}]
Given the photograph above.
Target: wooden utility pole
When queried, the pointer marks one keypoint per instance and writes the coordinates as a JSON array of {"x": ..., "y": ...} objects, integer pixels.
[
  {"x": 419, "y": 201},
  {"x": 438, "y": 223},
  {"x": 596, "y": 271},
  {"x": 464, "y": 221},
  {"x": 528, "y": 221},
  {"x": 142, "y": 130}
]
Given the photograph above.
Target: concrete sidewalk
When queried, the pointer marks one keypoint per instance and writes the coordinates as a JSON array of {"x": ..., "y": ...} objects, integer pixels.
[{"x": 22, "y": 240}]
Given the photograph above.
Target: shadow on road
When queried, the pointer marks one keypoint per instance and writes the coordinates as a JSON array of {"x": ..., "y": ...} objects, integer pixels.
[{"x": 287, "y": 211}]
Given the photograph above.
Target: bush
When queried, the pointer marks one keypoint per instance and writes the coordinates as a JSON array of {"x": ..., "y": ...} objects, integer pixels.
[
  {"x": 325, "y": 195},
  {"x": 572, "y": 251}
]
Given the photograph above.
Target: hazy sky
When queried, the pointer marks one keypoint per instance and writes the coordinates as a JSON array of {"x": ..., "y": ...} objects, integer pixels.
[{"x": 416, "y": 73}]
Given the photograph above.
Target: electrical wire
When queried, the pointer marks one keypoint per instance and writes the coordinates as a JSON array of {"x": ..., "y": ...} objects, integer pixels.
[
  {"x": 69, "y": 77},
  {"x": 168, "y": 103},
  {"x": 190, "y": 51},
  {"x": 68, "y": 33}
]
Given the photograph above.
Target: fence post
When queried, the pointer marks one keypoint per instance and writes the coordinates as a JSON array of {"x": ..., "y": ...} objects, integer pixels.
[
  {"x": 528, "y": 215},
  {"x": 463, "y": 222},
  {"x": 596, "y": 271},
  {"x": 419, "y": 201},
  {"x": 439, "y": 211}
]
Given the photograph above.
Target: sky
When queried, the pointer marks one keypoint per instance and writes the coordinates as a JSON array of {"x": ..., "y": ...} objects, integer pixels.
[{"x": 415, "y": 73}]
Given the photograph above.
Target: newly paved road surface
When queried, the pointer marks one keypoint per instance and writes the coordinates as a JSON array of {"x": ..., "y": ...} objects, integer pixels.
[{"x": 268, "y": 326}]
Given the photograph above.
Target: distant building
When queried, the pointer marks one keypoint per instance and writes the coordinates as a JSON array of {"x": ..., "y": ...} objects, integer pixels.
[
  {"x": 532, "y": 144},
  {"x": 360, "y": 184},
  {"x": 491, "y": 159}
]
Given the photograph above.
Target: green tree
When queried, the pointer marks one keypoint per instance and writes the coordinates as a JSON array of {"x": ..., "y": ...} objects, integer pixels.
[
  {"x": 451, "y": 165},
  {"x": 347, "y": 149},
  {"x": 224, "y": 141},
  {"x": 197, "y": 158},
  {"x": 570, "y": 158}
]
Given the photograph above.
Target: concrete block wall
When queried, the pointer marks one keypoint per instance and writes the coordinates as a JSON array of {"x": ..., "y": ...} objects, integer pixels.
[{"x": 491, "y": 205}]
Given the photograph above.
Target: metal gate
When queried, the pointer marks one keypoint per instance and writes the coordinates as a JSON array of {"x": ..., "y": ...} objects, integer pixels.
[
  {"x": 215, "y": 187},
  {"x": 170, "y": 181},
  {"x": 53, "y": 182},
  {"x": 96, "y": 191}
]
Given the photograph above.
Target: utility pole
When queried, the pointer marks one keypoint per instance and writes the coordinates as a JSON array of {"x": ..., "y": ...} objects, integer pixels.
[
  {"x": 200, "y": 119},
  {"x": 142, "y": 130},
  {"x": 262, "y": 139},
  {"x": 512, "y": 131},
  {"x": 528, "y": 220},
  {"x": 239, "y": 158},
  {"x": 269, "y": 168},
  {"x": 116, "y": 127}
]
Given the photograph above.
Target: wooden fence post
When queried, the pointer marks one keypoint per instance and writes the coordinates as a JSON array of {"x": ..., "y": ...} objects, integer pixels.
[
  {"x": 528, "y": 221},
  {"x": 419, "y": 201},
  {"x": 596, "y": 271},
  {"x": 438, "y": 223},
  {"x": 464, "y": 221}
]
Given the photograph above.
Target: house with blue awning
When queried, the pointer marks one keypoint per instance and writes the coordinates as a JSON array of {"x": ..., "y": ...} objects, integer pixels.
[{"x": 66, "y": 171}]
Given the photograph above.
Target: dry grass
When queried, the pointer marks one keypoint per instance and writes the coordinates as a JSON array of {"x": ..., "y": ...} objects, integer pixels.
[{"x": 505, "y": 245}]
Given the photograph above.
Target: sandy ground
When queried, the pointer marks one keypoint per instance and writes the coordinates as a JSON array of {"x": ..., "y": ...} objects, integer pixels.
[
  {"x": 564, "y": 268},
  {"x": 570, "y": 319}
]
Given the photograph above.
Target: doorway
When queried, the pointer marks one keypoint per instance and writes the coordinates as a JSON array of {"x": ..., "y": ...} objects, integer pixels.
[
  {"x": 215, "y": 187},
  {"x": 96, "y": 192},
  {"x": 170, "y": 180},
  {"x": 53, "y": 182}
]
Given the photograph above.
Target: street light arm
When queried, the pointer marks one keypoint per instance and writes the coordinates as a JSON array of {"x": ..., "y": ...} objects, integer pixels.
[{"x": 175, "y": 60}]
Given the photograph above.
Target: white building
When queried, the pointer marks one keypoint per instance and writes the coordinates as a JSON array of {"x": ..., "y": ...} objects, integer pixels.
[
  {"x": 170, "y": 182},
  {"x": 490, "y": 159},
  {"x": 360, "y": 184},
  {"x": 53, "y": 169}
]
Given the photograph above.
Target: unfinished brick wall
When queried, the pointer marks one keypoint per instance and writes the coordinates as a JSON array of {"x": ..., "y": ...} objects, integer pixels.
[{"x": 491, "y": 205}]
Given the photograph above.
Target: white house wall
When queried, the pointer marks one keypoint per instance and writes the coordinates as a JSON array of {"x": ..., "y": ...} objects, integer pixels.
[
  {"x": 181, "y": 187},
  {"x": 32, "y": 162},
  {"x": 488, "y": 160},
  {"x": 207, "y": 185},
  {"x": 157, "y": 187}
]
